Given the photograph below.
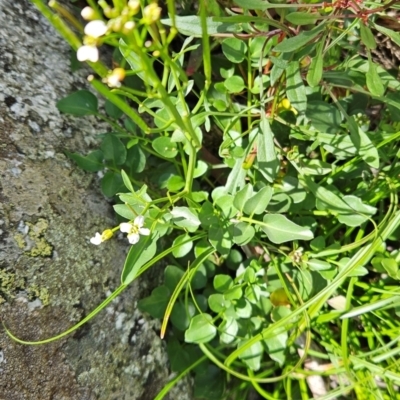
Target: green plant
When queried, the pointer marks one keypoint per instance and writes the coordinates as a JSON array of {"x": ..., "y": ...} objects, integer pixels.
[{"x": 293, "y": 209}]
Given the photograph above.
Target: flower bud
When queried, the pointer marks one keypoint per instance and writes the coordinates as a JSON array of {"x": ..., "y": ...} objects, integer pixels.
[
  {"x": 151, "y": 13},
  {"x": 134, "y": 6},
  {"x": 88, "y": 13},
  {"x": 128, "y": 27},
  {"x": 96, "y": 28},
  {"x": 107, "y": 234}
]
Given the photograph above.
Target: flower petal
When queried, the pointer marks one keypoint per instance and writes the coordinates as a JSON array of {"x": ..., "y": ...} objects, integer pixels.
[
  {"x": 125, "y": 227},
  {"x": 97, "y": 239},
  {"x": 139, "y": 221},
  {"x": 95, "y": 28},
  {"x": 133, "y": 238},
  {"x": 144, "y": 231},
  {"x": 87, "y": 53}
]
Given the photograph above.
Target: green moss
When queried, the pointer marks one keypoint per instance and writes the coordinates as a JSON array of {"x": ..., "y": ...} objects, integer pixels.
[
  {"x": 41, "y": 293},
  {"x": 20, "y": 240},
  {"x": 41, "y": 246},
  {"x": 8, "y": 284}
]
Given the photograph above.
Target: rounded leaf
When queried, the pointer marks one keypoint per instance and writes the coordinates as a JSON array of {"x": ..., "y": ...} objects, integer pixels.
[
  {"x": 201, "y": 329},
  {"x": 165, "y": 146}
]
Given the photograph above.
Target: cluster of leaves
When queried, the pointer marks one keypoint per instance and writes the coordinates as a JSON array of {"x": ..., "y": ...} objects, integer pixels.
[{"x": 295, "y": 205}]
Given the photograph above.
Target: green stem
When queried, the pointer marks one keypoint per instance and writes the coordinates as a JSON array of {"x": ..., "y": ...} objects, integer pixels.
[
  {"x": 116, "y": 100},
  {"x": 108, "y": 300}
]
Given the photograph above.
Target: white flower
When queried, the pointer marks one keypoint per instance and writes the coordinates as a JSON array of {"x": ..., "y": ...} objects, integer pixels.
[
  {"x": 88, "y": 53},
  {"x": 115, "y": 77},
  {"x": 113, "y": 81},
  {"x": 96, "y": 28},
  {"x": 100, "y": 238},
  {"x": 97, "y": 239},
  {"x": 135, "y": 229}
]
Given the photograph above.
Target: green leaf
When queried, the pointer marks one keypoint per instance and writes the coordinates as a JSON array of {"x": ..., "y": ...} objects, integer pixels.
[
  {"x": 234, "y": 293},
  {"x": 180, "y": 315},
  {"x": 199, "y": 279},
  {"x": 280, "y": 230},
  {"x": 315, "y": 167},
  {"x": 178, "y": 357},
  {"x": 201, "y": 329},
  {"x": 113, "y": 149},
  {"x": 298, "y": 41},
  {"x": 243, "y": 308},
  {"x": 234, "y": 84},
  {"x": 124, "y": 211},
  {"x": 185, "y": 218},
  {"x": 201, "y": 169},
  {"x": 314, "y": 74},
  {"x": 112, "y": 110},
  {"x": 191, "y": 26},
  {"x": 138, "y": 255},
  {"x": 242, "y": 196},
  {"x": 259, "y": 202},
  {"x": 331, "y": 201},
  {"x": 222, "y": 282},
  {"x": 136, "y": 63},
  {"x": 324, "y": 116},
  {"x": 135, "y": 160},
  {"x": 228, "y": 330},
  {"x": 374, "y": 82},
  {"x": 361, "y": 212},
  {"x": 318, "y": 265},
  {"x": 225, "y": 204},
  {"x": 92, "y": 162},
  {"x": 236, "y": 178},
  {"x": 252, "y": 355},
  {"x": 295, "y": 90},
  {"x": 183, "y": 249},
  {"x": 127, "y": 181},
  {"x": 172, "y": 276},
  {"x": 395, "y": 36},
  {"x": 301, "y": 18},
  {"x": 254, "y": 4},
  {"x": 155, "y": 304},
  {"x": 234, "y": 50},
  {"x": 209, "y": 383},
  {"x": 242, "y": 233},
  {"x": 218, "y": 303},
  {"x": 220, "y": 238},
  {"x": 367, "y": 37},
  {"x": 267, "y": 159},
  {"x": 79, "y": 103},
  {"x": 165, "y": 147},
  {"x": 363, "y": 144},
  {"x": 276, "y": 345},
  {"x": 111, "y": 183},
  {"x": 388, "y": 265},
  {"x": 318, "y": 244},
  {"x": 175, "y": 183}
]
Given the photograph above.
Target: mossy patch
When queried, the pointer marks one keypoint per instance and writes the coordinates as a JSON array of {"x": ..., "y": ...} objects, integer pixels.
[
  {"x": 8, "y": 284},
  {"x": 34, "y": 244}
]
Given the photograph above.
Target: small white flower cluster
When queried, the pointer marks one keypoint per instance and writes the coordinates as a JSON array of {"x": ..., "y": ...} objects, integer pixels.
[
  {"x": 118, "y": 21},
  {"x": 93, "y": 30},
  {"x": 133, "y": 229},
  {"x": 114, "y": 78}
]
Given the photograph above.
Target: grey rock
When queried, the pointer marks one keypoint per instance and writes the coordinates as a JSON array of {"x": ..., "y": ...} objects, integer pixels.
[{"x": 50, "y": 275}]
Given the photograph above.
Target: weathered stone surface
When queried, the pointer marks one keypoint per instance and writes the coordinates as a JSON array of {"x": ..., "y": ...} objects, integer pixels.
[{"x": 48, "y": 211}]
